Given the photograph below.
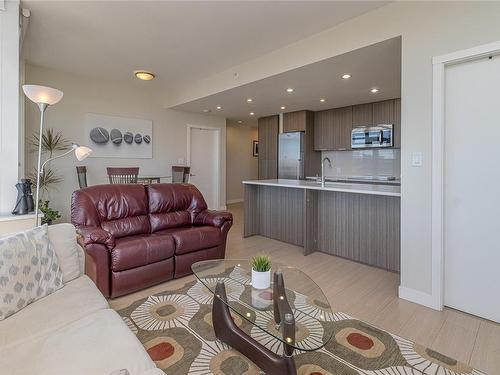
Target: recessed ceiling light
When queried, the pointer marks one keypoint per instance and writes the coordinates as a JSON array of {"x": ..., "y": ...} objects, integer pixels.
[
  {"x": 374, "y": 90},
  {"x": 251, "y": 113},
  {"x": 240, "y": 122},
  {"x": 144, "y": 75},
  {"x": 218, "y": 107},
  {"x": 289, "y": 89},
  {"x": 206, "y": 110},
  {"x": 322, "y": 100},
  {"x": 249, "y": 100},
  {"x": 283, "y": 107},
  {"x": 346, "y": 76}
]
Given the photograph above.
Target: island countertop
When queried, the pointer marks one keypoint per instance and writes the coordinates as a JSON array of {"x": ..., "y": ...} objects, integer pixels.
[{"x": 357, "y": 188}]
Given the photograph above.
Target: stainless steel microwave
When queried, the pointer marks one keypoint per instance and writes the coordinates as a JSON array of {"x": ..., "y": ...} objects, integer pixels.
[{"x": 372, "y": 136}]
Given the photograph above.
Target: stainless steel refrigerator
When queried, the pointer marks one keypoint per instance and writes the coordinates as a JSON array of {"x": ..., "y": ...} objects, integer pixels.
[{"x": 291, "y": 155}]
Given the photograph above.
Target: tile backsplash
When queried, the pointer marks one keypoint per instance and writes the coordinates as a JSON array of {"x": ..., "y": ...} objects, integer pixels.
[{"x": 380, "y": 162}]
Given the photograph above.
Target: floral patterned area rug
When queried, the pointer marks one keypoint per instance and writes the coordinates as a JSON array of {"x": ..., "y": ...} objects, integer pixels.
[{"x": 176, "y": 330}]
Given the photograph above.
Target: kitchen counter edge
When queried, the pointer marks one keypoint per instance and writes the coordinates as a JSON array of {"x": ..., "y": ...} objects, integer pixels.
[{"x": 357, "y": 188}]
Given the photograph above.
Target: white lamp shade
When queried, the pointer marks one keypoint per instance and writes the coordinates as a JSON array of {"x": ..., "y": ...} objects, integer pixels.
[
  {"x": 81, "y": 152},
  {"x": 42, "y": 94}
]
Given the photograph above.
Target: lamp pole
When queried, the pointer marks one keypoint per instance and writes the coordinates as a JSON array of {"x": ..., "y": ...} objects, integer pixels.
[{"x": 43, "y": 107}]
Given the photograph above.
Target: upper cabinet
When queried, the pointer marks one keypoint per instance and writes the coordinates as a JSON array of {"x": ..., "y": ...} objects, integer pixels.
[
  {"x": 332, "y": 127},
  {"x": 362, "y": 114},
  {"x": 268, "y": 147},
  {"x": 297, "y": 121}
]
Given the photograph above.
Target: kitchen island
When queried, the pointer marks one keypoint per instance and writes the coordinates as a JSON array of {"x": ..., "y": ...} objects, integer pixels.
[{"x": 356, "y": 221}]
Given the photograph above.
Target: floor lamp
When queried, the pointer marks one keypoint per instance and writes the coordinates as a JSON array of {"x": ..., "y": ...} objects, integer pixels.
[{"x": 44, "y": 97}]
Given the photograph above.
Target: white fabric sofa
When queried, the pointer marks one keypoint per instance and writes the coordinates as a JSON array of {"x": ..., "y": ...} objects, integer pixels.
[{"x": 72, "y": 331}]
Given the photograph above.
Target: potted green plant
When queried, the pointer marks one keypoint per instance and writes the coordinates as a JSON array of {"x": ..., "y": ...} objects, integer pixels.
[
  {"x": 49, "y": 214},
  {"x": 261, "y": 272}
]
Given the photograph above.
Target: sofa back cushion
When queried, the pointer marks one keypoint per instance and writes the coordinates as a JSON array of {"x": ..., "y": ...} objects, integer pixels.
[
  {"x": 121, "y": 209},
  {"x": 29, "y": 269},
  {"x": 173, "y": 205},
  {"x": 63, "y": 238}
]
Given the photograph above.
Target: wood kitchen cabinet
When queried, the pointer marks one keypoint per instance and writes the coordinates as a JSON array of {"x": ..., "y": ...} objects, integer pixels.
[
  {"x": 342, "y": 126},
  {"x": 323, "y": 130},
  {"x": 297, "y": 121},
  {"x": 362, "y": 114},
  {"x": 389, "y": 112},
  {"x": 268, "y": 147},
  {"x": 397, "y": 123},
  {"x": 332, "y": 129}
]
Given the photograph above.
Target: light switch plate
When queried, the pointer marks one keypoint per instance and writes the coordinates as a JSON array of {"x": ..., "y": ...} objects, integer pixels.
[{"x": 416, "y": 159}]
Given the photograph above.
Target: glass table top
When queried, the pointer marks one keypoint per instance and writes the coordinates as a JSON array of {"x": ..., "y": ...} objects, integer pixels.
[{"x": 311, "y": 309}]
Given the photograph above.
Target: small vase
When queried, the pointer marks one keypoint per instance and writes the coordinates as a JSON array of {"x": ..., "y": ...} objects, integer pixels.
[{"x": 261, "y": 280}]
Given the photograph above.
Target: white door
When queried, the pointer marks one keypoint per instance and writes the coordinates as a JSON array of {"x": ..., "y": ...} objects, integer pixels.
[
  {"x": 472, "y": 188},
  {"x": 204, "y": 162}
]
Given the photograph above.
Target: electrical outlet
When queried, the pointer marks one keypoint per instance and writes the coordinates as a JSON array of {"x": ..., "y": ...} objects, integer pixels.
[{"x": 416, "y": 159}]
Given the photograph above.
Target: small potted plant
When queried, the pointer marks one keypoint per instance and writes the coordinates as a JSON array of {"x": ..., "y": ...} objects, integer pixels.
[
  {"x": 261, "y": 272},
  {"x": 49, "y": 214}
]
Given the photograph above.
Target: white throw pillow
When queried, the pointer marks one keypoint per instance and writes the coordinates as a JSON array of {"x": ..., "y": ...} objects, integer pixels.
[
  {"x": 63, "y": 237},
  {"x": 29, "y": 269}
]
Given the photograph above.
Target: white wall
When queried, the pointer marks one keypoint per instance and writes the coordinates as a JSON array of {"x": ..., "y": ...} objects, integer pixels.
[
  {"x": 9, "y": 104},
  {"x": 241, "y": 165},
  {"x": 82, "y": 95},
  {"x": 428, "y": 29}
]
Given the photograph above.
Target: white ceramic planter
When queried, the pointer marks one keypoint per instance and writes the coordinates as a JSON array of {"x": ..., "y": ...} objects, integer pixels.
[{"x": 261, "y": 280}]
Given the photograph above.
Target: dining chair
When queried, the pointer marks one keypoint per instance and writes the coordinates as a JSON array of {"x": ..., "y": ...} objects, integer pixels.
[
  {"x": 118, "y": 175},
  {"x": 180, "y": 174},
  {"x": 81, "y": 172}
]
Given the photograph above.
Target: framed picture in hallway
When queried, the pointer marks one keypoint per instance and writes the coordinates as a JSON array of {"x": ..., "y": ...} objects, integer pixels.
[
  {"x": 255, "y": 148},
  {"x": 118, "y": 137}
]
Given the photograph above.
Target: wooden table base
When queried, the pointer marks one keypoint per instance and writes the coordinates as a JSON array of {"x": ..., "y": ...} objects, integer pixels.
[{"x": 227, "y": 331}]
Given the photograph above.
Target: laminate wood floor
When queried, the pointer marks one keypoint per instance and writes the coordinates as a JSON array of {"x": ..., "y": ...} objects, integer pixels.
[{"x": 369, "y": 294}]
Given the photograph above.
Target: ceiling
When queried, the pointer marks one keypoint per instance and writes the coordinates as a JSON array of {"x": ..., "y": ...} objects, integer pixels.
[
  {"x": 378, "y": 65},
  {"x": 179, "y": 41}
]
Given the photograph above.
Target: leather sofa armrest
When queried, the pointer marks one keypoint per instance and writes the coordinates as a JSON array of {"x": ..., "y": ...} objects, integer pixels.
[
  {"x": 213, "y": 218},
  {"x": 95, "y": 235}
]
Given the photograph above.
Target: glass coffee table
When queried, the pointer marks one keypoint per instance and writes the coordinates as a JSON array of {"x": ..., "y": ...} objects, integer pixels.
[{"x": 293, "y": 313}]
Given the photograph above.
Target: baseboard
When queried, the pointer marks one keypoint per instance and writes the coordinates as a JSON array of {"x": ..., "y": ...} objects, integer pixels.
[
  {"x": 232, "y": 201},
  {"x": 419, "y": 297},
  {"x": 222, "y": 208}
]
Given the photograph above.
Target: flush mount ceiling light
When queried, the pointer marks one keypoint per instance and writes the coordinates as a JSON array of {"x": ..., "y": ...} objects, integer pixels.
[
  {"x": 144, "y": 75},
  {"x": 346, "y": 76},
  {"x": 289, "y": 89},
  {"x": 219, "y": 107},
  {"x": 251, "y": 113},
  {"x": 374, "y": 90},
  {"x": 283, "y": 107},
  {"x": 322, "y": 100},
  {"x": 249, "y": 100}
]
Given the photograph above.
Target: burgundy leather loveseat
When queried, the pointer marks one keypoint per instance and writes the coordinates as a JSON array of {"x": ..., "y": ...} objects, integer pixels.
[{"x": 136, "y": 236}]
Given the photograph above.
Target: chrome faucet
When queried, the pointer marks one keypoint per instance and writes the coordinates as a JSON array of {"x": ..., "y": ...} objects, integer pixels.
[{"x": 323, "y": 170}]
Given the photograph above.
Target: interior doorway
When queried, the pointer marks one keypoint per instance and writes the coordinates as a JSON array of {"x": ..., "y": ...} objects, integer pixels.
[
  {"x": 470, "y": 183},
  {"x": 204, "y": 159}
]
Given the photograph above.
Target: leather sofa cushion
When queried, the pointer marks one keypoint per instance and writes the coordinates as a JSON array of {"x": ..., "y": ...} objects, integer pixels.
[
  {"x": 173, "y": 205},
  {"x": 127, "y": 226},
  {"x": 100, "y": 203},
  {"x": 135, "y": 251},
  {"x": 161, "y": 221},
  {"x": 192, "y": 239}
]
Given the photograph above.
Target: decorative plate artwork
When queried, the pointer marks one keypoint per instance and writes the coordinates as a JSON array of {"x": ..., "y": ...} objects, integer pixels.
[{"x": 118, "y": 137}]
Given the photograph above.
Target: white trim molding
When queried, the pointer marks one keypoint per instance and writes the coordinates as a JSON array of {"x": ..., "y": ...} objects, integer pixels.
[{"x": 439, "y": 63}]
